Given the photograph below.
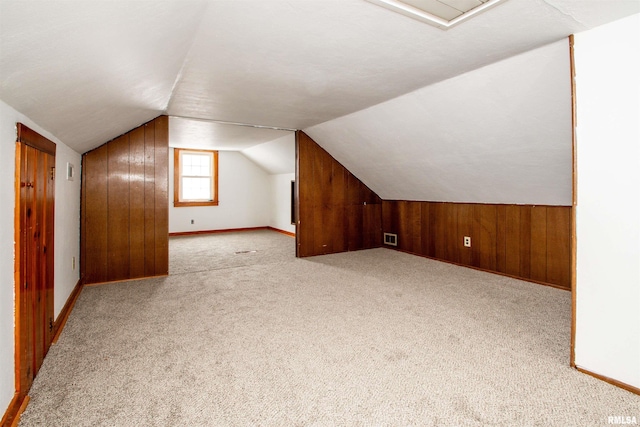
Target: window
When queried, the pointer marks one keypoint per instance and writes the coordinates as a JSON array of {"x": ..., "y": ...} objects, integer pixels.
[{"x": 195, "y": 177}]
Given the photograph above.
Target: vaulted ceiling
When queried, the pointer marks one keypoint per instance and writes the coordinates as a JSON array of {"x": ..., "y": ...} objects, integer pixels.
[{"x": 88, "y": 71}]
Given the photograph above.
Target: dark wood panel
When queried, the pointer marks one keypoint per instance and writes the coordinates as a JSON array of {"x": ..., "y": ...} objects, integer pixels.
[
  {"x": 559, "y": 246},
  {"x": 487, "y": 237},
  {"x": 414, "y": 213},
  {"x": 426, "y": 239},
  {"x": 95, "y": 173},
  {"x": 525, "y": 242},
  {"x": 339, "y": 200},
  {"x": 320, "y": 187},
  {"x": 539, "y": 243},
  {"x": 124, "y": 206},
  {"x": 438, "y": 229},
  {"x": 161, "y": 194},
  {"x": 304, "y": 203},
  {"x": 512, "y": 240},
  {"x": 501, "y": 238},
  {"x": 476, "y": 232},
  {"x": 389, "y": 217},
  {"x": 465, "y": 228},
  {"x": 529, "y": 242},
  {"x": 149, "y": 200},
  {"x": 118, "y": 207},
  {"x": 355, "y": 227},
  {"x": 336, "y": 211},
  {"x": 372, "y": 220},
  {"x": 136, "y": 202}
]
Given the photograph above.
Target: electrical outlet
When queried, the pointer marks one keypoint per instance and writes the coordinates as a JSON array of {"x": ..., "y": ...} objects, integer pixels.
[
  {"x": 192, "y": 222},
  {"x": 467, "y": 241}
]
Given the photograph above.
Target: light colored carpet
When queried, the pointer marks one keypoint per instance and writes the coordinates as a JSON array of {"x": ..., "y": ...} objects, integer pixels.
[
  {"x": 369, "y": 338},
  {"x": 191, "y": 254}
]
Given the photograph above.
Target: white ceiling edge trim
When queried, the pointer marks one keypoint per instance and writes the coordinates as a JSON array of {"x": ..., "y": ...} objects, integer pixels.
[
  {"x": 222, "y": 122},
  {"x": 421, "y": 15}
]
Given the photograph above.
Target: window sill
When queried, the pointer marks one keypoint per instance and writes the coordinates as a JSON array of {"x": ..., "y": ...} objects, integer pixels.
[{"x": 190, "y": 204}]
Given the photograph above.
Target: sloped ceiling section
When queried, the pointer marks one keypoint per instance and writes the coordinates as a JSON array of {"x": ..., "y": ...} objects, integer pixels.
[
  {"x": 499, "y": 134},
  {"x": 275, "y": 157},
  {"x": 90, "y": 71}
]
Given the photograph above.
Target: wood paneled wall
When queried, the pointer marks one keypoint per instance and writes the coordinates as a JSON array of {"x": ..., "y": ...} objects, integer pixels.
[
  {"x": 335, "y": 211},
  {"x": 124, "y": 211},
  {"x": 529, "y": 242}
]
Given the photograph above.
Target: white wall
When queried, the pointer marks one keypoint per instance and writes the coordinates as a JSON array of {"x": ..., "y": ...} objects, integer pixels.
[
  {"x": 244, "y": 194},
  {"x": 608, "y": 213},
  {"x": 67, "y": 226},
  {"x": 281, "y": 202},
  {"x": 67, "y": 241}
]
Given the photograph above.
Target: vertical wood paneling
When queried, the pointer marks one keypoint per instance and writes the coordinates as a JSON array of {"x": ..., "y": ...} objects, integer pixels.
[
  {"x": 451, "y": 243},
  {"x": 415, "y": 216},
  {"x": 539, "y": 243},
  {"x": 512, "y": 240},
  {"x": 304, "y": 204},
  {"x": 488, "y": 237},
  {"x": 465, "y": 228},
  {"x": 425, "y": 232},
  {"x": 438, "y": 230},
  {"x": 336, "y": 211},
  {"x": 124, "y": 209},
  {"x": 136, "y": 202},
  {"x": 161, "y": 194},
  {"x": 149, "y": 200},
  {"x": 319, "y": 211},
  {"x": 501, "y": 238},
  {"x": 559, "y": 245},
  {"x": 408, "y": 226},
  {"x": 118, "y": 208},
  {"x": 339, "y": 207},
  {"x": 389, "y": 217},
  {"x": 519, "y": 240},
  {"x": 525, "y": 242},
  {"x": 476, "y": 232},
  {"x": 95, "y": 173}
]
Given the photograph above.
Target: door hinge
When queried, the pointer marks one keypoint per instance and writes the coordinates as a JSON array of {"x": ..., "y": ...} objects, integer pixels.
[
  {"x": 53, "y": 173},
  {"x": 50, "y": 325}
]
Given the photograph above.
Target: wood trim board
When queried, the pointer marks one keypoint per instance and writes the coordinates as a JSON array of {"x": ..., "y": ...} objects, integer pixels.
[
  {"x": 620, "y": 384},
  {"x": 66, "y": 311}
]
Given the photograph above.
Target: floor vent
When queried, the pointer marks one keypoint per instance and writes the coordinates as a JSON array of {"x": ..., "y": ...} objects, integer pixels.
[
  {"x": 390, "y": 239},
  {"x": 245, "y": 252}
]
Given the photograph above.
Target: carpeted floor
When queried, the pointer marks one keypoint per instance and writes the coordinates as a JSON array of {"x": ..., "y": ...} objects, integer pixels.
[{"x": 369, "y": 338}]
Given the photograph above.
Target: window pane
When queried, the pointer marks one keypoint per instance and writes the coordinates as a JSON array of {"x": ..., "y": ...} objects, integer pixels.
[
  {"x": 196, "y": 188},
  {"x": 196, "y": 164}
]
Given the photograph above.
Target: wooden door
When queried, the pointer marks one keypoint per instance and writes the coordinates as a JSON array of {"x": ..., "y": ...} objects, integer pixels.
[{"x": 34, "y": 223}]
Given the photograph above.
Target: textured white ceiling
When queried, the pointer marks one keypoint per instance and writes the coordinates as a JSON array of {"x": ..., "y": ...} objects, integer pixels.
[
  {"x": 88, "y": 71},
  {"x": 275, "y": 157},
  {"x": 499, "y": 134}
]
